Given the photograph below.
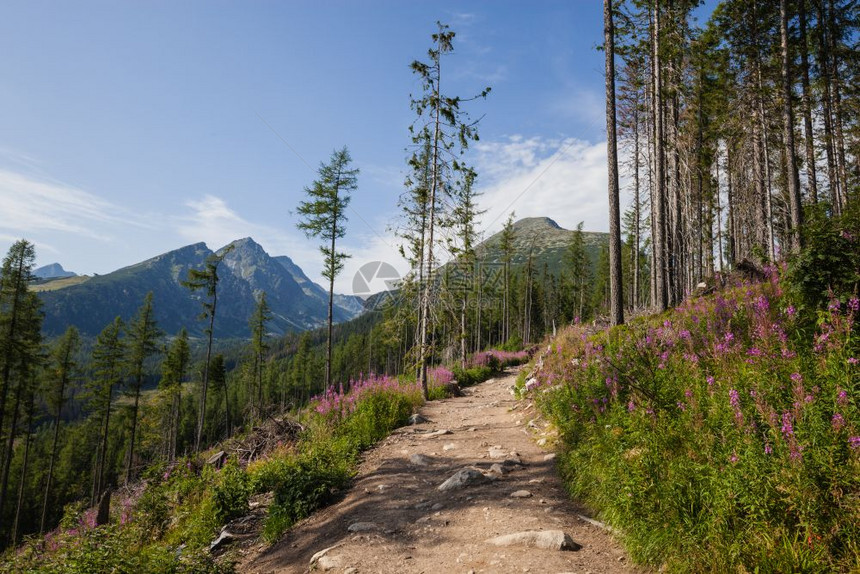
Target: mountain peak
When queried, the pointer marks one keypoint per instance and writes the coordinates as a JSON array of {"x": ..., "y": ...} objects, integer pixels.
[
  {"x": 534, "y": 223},
  {"x": 246, "y": 243},
  {"x": 52, "y": 271}
]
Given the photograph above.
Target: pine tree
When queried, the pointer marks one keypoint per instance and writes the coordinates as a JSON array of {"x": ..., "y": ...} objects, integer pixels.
[
  {"x": 173, "y": 372},
  {"x": 63, "y": 370},
  {"x": 143, "y": 335},
  {"x": 17, "y": 321},
  {"x": 324, "y": 216},
  {"x": 579, "y": 274},
  {"x": 506, "y": 245},
  {"x": 262, "y": 315},
  {"x": 198, "y": 279},
  {"x": 444, "y": 130},
  {"x": 218, "y": 378},
  {"x": 29, "y": 360},
  {"x": 617, "y": 293},
  {"x": 109, "y": 368}
]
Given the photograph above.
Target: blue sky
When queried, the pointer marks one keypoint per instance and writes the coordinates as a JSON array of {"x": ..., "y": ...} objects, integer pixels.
[{"x": 132, "y": 128}]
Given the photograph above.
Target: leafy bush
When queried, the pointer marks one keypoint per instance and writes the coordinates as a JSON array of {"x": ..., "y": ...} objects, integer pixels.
[
  {"x": 230, "y": 496},
  {"x": 829, "y": 262},
  {"x": 473, "y": 375}
]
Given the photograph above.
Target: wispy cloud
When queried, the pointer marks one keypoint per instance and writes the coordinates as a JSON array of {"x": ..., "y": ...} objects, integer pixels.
[
  {"x": 561, "y": 179},
  {"x": 32, "y": 205}
]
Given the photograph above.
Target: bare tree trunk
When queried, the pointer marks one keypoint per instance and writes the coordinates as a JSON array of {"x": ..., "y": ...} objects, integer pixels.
[
  {"x": 23, "y": 480},
  {"x": 827, "y": 111},
  {"x": 658, "y": 208},
  {"x": 806, "y": 102},
  {"x": 616, "y": 296},
  {"x": 425, "y": 296},
  {"x": 788, "y": 135},
  {"x": 719, "y": 213},
  {"x": 637, "y": 216}
]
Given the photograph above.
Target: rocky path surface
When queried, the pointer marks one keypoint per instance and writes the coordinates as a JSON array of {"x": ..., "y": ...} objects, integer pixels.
[{"x": 499, "y": 483}]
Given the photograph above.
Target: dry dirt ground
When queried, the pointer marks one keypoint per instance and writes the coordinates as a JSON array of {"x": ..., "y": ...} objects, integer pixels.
[{"x": 395, "y": 520}]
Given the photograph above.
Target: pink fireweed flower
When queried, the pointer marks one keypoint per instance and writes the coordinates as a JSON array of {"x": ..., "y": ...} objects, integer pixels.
[
  {"x": 734, "y": 399},
  {"x": 795, "y": 452},
  {"x": 854, "y": 304},
  {"x": 735, "y": 402},
  {"x": 631, "y": 407},
  {"x": 842, "y": 398},
  {"x": 787, "y": 428},
  {"x": 787, "y": 354},
  {"x": 854, "y": 441},
  {"x": 837, "y": 422},
  {"x": 767, "y": 448},
  {"x": 734, "y": 458},
  {"x": 790, "y": 311},
  {"x": 853, "y": 360},
  {"x": 796, "y": 377}
]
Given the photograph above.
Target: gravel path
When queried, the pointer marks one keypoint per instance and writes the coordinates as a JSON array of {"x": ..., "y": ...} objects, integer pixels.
[{"x": 396, "y": 520}]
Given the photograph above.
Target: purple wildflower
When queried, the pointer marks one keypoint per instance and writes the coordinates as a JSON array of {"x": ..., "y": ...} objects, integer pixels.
[
  {"x": 787, "y": 428},
  {"x": 837, "y": 422}
]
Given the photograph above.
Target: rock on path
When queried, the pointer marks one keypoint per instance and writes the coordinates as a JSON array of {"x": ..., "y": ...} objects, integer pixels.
[{"x": 507, "y": 513}]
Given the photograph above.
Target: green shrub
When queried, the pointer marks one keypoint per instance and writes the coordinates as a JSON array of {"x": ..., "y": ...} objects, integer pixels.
[
  {"x": 474, "y": 375},
  {"x": 829, "y": 263},
  {"x": 230, "y": 496}
]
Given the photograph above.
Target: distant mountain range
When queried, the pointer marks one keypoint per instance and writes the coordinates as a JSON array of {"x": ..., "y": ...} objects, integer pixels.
[
  {"x": 53, "y": 271},
  {"x": 297, "y": 303}
]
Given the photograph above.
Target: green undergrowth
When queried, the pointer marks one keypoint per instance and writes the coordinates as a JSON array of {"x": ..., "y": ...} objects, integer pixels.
[
  {"x": 723, "y": 436},
  {"x": 168, "y": 523}
]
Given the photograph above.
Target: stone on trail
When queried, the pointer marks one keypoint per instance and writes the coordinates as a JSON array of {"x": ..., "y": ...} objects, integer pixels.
[
  {"x": 462, "y": 478},
  {"x": 417, "y": 419},
  {"x": 544, "y": 539},
  {"x": 449, "y": 446},
  {"x": 420, "y": 460},
  {"x": 521, "y": 494},
  {"x": 497, "y": 452},
  {"x": 328, "y": 562},
  {"x": 316, "y": 558},
  {"x": 439, "y": 432},
  {"x": 225, "y": 538},
  {"x": 362, "y": 527},
  {"x": 500, "y": 468},
  {"x": 549, "y": 457}
]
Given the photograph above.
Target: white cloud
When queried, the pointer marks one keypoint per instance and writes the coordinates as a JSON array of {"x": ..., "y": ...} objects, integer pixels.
[
  {"x": 32, "y": 205},
  {"x": 536, "y": 177}
]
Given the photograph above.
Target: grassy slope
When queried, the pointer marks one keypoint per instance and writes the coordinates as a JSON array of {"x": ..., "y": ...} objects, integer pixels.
[{"x": 722, "y": 436}]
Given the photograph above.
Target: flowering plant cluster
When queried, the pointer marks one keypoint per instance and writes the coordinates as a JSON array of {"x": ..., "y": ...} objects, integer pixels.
[
  {"x": 499, "y": 359},
  {"x": 725, "y": 433},
  {"x": 338, "y": 402}
]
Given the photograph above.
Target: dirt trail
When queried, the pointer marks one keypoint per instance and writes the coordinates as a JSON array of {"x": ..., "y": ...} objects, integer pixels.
[{"x": 395, "y": 520}]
